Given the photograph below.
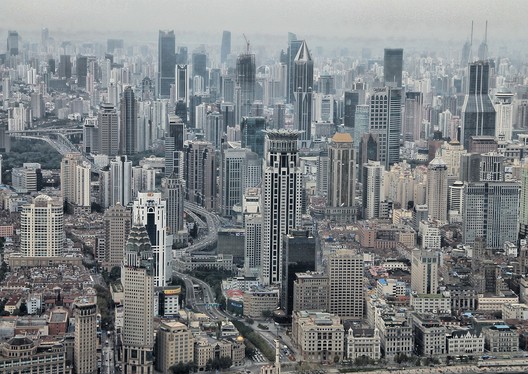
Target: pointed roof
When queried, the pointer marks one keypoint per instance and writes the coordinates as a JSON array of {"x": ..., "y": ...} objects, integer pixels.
[
  {"x": 138, "y": 239},
  {"x": 303, "y": 54}
]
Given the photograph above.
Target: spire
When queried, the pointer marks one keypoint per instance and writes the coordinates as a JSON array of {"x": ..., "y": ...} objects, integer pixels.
[{"x": 304, "y": 53}]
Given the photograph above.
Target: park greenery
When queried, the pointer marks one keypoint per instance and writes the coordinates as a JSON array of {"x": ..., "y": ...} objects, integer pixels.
[
  {"x": 213, "y": 277},
  {"x": 255, "y": 339}
]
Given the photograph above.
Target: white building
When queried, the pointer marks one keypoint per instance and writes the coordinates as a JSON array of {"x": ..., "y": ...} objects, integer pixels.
[
  {"x": 363, "y": 343},
  {"x": 465, "y": 342},
  {"x": 120, "y": 181},
  {"x": 373, "y": 192}
]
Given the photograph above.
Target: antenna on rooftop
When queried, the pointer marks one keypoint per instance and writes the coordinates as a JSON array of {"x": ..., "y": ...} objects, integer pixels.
[{"x": 247, "y": 43}]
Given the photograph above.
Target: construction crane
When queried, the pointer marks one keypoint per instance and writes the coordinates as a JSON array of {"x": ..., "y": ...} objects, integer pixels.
[{"x": 247, "y": 44}]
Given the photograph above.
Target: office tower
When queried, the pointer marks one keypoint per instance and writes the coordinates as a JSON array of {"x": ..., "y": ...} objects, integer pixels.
[
  {"x": 252, "y": 133},
  {"x": 114, "y": 44},
  {"x": 385, "y": 122},
  {"x": 504, "y": 109},
  {"x": 341, "y": 178},
  {"x": 214, "y": 129},
  {"x": 437, "y": 190},
  {"x": 345, "y": 284},
  {"x": 174, "y": 193},
  {"x": 326, "y": 85},
  {"x": 324, "y": 109},
  {"x": 253, "y": 240},
  {"x": 478, "y": 113},
  {"x": 293, "y": 48},
  {"x": 174, "y": 146},
  {"x": 225, "y": 50},
  {"x": 65, "y": 67},
  {"x": 282, "y": 191},
  {"x": 490, "y": 212},
  {"x": 108, "y": 130},
  {"x": 372, "y": 184},
  {"x": 413, "y": 116},
  {"x": 492, "y": 167},
  {"x": 228, "y": 90},
  {"x": 182, "y": 58},
  {"x": 38, "y": 109},
  {"x": 424, "y": 271},
  {"x": 302, "y": 87},
  {"x": 470, "y": 167},
  {"x": 12, "y": 43},
  {"x": 393, "y": 67},
  {"x": 166, "y": 62},
  {"x": 361, "y": 124},
  {"x": 246, "y": 80},
  {"x": 310, "y": 291},
  {"x": 182, "y": 84},
  {"x": 150, "y": 210},
  {"x": 42, "y": 228},
  {"x": 143, "y": 179},
  {"x": 323, "y": 165},
  {"x": 483, "y": 47},
  {"x": 241, "y": 169},
  {"x": 81, "y": 68},
  {"x": 117, "y": 221},
  {"x": 120, "y": 181},
  {"x": 456, "y": 199},
  {"x": 278, "y": 116},
  {"x": 351, "y": 101},
  {"x": 128, "y": 117},
  {"x": 228, "y": 113},
  {"x": 85, "y": 346},
  {"x": 199, "y": 69},
  {"x": 299, "y": 257},
  {"x": 523, "y": 213},
  {"x": 138, "y": 278},
  {"x": 200, "y": 174},
  {"x": 174, "y": 344}
]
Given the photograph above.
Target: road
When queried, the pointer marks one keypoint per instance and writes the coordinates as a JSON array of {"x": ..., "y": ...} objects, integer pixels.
[
  {"x": 108, "y": 363},
  {"x": 213, "y": 225}
]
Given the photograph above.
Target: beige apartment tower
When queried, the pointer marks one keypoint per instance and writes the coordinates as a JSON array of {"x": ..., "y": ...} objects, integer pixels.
[
  {"x": 116, "y": 222},
  {"x": 174, "y": 344},
  {"x": 85, "y": 348}
]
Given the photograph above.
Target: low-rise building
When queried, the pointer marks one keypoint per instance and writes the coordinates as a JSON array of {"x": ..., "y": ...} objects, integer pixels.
[
  {"x": 390, "y": 287},
  {"x": 396, "y": 334},
  {"x": 310, "y": 291},
  {"x": 515, "y": 311},
  {"x": 363, "y": 343},
  {"x": 318, "y": 336},
  {"x": 501, "y": 338},
  {"x": 494, "y": 303},
  {"x": 431, "y": 303},
  {"x": 260, "y": 300},
  {"x": 429, "y": 335},
  {"x": 464, "y": 342}
]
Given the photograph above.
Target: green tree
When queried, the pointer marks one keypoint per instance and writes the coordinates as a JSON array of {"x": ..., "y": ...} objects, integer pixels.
[{"x": 267, "y": 313}]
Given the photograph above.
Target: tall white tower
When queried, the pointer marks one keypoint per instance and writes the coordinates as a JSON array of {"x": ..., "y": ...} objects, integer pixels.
[
  {"x": 150, "y": 210},
  {"x": 504, "y": 108},
  {"x": 281, "y": 206},
  {"x": 121, "y": 181},
  {"x": 373, "y": 192}
]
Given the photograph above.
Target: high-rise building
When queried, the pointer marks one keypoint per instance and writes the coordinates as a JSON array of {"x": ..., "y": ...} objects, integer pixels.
[
  {"x": 490, "y": 212},
  {"x": 299, "y": 257},
  {"x": 81, "y": 68},
  {"x": 225, "y": 49},
  {"x": 42, "y": 228},
  {"x": 174, "y": 344},
  {"x": 246, "y": 80},
  {"x": 108, "y": 130},
  {"x": 523, "y": 213},
  {"x": 424, "y": 271},
  {"x": 504, "y": 109},
  {"x": 138, "y": 273},
  {"x": 120, "y": 181},
  {"x": 282, "y": 202},
  {"x": 345, "y": 284},
  {"x": 437, "y": 190},
  {"x": 128, "y": 116},
  {"x": 412, "y": 123},
  {"x": 182, "y": 85},
  {"x": 385, "y": 122},
  {"x": 478, "y": 113},
  {"x": 85, "y": 345},
  {"x": 372, "y": 184},
  {"x": 252, "y": 134},
  {"x": 200, "y": 174},
  {"x": 117, "y": 221},
  {"x": 492, "y": 167},
  {"x": 341, "y": 178},
  {"x": 215, "y": 130},
  {"x": 174, "y": 146},
  {"x": 199, "y": 69},
  {"x": 302, "y": 87},
  {"x": 361, "y": 124},
  {"x": 150, "y": 210},
  {"x": 293, "y": 48},
  {"x": 12, "y": 43},
  {"x": 351, "y": 101},
  {"x": 65, "y": 67},
  {"x": 174, "y": 193},
  {"x": 75, "y": 180},
  {"x": 166, "y": 62},
  {"x": 393, "y": 67}
]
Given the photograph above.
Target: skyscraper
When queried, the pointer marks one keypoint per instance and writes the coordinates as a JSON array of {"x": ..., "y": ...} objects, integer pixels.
[
  {"x": 372, "y": 183},
  {"x": 108, "y": 130},
  {"x": 182, "y": 85},
  {"x": 117, "y": 221},
  {"x": 478, "y": 113},
  {"x": 385, "y": 122},
  {"x": 174, "y": 193},
  {"x": 349, "y": 110},
  {"x": 504, "y": 108},
  {"x": 174, "y": 146},
  {"x": 303, "y": 86},
  {"x": 523, "y": 213},
  {"x": 293, "y": 48},
  {"x": 245, "y": 79},
  {"x": 345, "y": 284},
  {"x": 42, "y": 228},
  {"x": 81, "y": 67},
  {"x": 75, "y": 180},
  {"x": 226, "y": 46},
  {"x": 166, "y": 62},
  {"x": 200, "y": 174},
  {"x": 413, "y": 116},
  {"x": 120, "y": 181},
  {"x": 138, "y": 302},
  {"x": 65, "y": 67},
  {"x": 393, "y": 67},
  {"x": 252, "y": 134},
  {"x": 424, "y": 271},
  {"x": 282, "y": 203},
  {"x": 199, "y": 69},
  {"x": 341, "y": 178},
  {"x": 150, "y": 211},
  {"x": 12, "y": 43},
  {"x": 128, "y": 116},
  {"x": 437, "y": 190},
  {"x": 85, "y": 346}
]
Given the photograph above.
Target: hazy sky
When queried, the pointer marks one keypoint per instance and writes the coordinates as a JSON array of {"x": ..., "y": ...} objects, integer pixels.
[{"x": 385, "y": 19}]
